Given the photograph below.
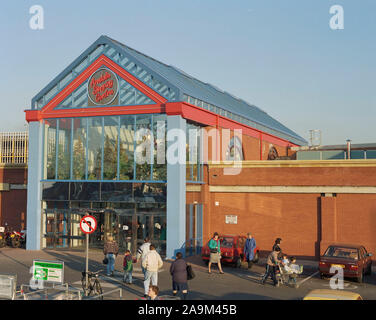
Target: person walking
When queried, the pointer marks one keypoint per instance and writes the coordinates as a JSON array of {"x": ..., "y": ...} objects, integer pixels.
[
  {"x": 127, "y": 267},
  {"x": 249, "y": 249},
  {"x": 151, "y": 263},
  {"x": 178, "y": 271},
  {"x": 271, "y": 266},
  {"x": 142, "y": 252},
  {"x": 110, "y": 250},
  {"x": 215, "y": 253}
]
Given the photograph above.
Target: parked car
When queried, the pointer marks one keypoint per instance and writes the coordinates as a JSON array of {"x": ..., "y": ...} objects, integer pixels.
[
  {"x": 353, "y": 259},
  {"x": 327, "y": 294},
  {"x": 232, "y": 247}
]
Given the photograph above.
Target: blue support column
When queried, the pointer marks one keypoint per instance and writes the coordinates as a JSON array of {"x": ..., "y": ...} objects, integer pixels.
[
  {"x": 33, "y": 238},
  {"x": 176, "y": 187}
]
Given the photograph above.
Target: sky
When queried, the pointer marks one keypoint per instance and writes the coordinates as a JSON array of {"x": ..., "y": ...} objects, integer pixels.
[{"x": 281, "y": 56}]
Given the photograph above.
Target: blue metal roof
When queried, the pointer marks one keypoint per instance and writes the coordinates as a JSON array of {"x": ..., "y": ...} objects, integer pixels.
[
  {"x": 213, "y": 95},
  {"x": 188, "y": 85}
]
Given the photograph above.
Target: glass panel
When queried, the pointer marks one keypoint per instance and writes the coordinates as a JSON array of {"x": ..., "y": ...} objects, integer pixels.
[
  {"x": 117, "y": 192},
  {"x": 159, "y": 132},
  {"x": 64, "y": 149},
  {"x": 85, "y": 191},
  {"x": 80, "y": 96},
  {"x": 76, "y": 235},
  {"x": 95, "y": 148},
  {"x": 126, "y": 163},
  {"x": 143, "y": 147},
  {"x": 150, "y": 192},
  {"x": 55, "y": 191},
  {"x": 127, "y": 94},
  {"x": 110, "y": 151},
  {"x": 79, "y": 148},
  {"x": 50, "y": 148}
]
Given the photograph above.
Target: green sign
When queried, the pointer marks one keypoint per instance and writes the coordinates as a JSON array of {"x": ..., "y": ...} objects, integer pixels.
[{"x": 50, "y": 271}]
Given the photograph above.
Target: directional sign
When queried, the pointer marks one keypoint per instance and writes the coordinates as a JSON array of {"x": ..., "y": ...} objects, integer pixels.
[
  {"x": 50, "y": 271},
  {"x": 88, "y": 224}
]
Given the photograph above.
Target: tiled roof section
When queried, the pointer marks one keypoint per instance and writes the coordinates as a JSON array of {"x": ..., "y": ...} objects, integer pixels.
[{"x": 211, "y": 94}]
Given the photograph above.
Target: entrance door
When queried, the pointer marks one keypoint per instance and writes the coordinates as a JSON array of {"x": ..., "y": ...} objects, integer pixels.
[
  {"x": 153, "y": 226},
  {"x": 57, "y": 228}
]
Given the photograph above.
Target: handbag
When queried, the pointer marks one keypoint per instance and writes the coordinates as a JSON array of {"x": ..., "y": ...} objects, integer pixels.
[
  {"x": 190, "y": 273},
  {"x": 105, "y": 260}
]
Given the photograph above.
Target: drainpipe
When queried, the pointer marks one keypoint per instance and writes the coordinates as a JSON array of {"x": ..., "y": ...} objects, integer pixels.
[{"x": 348, "y": 149}]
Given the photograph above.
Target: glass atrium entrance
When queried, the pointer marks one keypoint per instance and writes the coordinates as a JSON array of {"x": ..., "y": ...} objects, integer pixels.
[{"x": 128, "y": 227}]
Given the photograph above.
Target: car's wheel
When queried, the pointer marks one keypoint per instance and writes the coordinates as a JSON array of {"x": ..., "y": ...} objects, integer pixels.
[
  {"x": 256, "y": 257},
  {"x": 360, "y": 277},
  {"x": 206, "y": 262},
  {"x": 322, "y": 276},
  {"x": 3, "y": 243}
]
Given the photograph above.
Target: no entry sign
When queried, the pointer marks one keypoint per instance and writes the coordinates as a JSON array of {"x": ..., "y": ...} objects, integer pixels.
[{"x": 88, "y": 224}]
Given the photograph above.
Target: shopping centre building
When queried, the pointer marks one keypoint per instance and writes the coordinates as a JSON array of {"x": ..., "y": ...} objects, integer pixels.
[{"x": 101, "y": 138}]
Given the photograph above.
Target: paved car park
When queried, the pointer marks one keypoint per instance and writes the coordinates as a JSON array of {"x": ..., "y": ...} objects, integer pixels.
[{"x": 235, "y": 284}]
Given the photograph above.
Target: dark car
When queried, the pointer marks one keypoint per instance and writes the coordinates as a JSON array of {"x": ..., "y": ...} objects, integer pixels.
[
  {"x": 353, "y": 259},
  {"x": 232, "y": 248}
]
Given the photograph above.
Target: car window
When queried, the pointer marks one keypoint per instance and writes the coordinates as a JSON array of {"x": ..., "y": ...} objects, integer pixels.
[
  {"x": 342, "y": 252},
  {"x": 226, "y": 242}
]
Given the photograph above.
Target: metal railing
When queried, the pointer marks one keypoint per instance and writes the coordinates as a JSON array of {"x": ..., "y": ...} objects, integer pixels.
[
  {"x": 106, "y": 294},
  {"x": 69, "y": 294},
  {"x": 14, "y": 147}
]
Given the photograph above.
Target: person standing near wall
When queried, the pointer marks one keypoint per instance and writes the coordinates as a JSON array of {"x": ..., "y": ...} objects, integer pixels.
[
  {"x": 110, "y": 250},
  {"x": 215, "y": 253},
  {"x": 249, "y": 250},
  {"x": 178, "y": 271},
  {"x": 151, "y": 263},
  {"x": 142, "y": 252}
]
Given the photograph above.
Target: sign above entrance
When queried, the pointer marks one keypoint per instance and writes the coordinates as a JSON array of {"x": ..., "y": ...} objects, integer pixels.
[
  {"x": 103, "y": 87},
  {"x": 88, "y": 224}
]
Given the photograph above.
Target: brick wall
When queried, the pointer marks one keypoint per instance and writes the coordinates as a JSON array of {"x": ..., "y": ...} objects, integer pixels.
[
  {"x": 307, "y": 222},
  {"x": 13, "y": 197}
]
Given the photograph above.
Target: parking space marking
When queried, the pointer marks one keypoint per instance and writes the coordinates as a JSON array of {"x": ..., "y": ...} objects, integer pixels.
[{"x": 304, "y": 280}]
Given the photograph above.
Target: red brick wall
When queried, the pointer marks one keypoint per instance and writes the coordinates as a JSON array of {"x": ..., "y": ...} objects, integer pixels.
[
  {"x": 13, "y": 203},
  {"x": 307, "y": 223},
  {"x": 292, "y": 217}
]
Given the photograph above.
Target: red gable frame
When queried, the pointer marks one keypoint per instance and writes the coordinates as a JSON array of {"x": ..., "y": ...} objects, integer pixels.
[{"x": 48, "y": 110}]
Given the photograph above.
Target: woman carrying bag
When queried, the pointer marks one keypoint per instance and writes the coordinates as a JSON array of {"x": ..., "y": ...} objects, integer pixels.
[
  {"x": 215, "y": 253},
  {"x": 178, "y": 271}
]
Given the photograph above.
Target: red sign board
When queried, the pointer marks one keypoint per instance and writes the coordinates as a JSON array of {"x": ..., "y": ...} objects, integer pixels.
[{"x": 103, "y": 87}]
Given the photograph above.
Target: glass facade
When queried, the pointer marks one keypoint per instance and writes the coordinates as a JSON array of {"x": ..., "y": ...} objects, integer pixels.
[
  {"x": 116, "y": 148},
  {"x": 108, "y": 167},
  {"x": 194, "y": 167}
]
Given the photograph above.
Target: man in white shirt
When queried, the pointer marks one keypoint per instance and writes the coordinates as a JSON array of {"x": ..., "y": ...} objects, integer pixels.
[
  {"x": 142, "y": 252},
  {"x": 151, "y": 263}
]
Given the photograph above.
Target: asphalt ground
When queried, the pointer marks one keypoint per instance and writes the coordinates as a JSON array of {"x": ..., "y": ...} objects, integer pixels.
[{"x": 235, "y": 284}]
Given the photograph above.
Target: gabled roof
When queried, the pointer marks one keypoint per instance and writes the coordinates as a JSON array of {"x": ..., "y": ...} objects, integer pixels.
[{"x": 185, "y": 84}]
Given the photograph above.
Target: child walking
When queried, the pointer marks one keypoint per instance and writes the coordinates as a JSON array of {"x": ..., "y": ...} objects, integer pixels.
[{"x": 127, "y": 267}]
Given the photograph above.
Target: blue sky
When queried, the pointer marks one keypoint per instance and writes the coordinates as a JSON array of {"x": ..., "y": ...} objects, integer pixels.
[{"x": 279, "y": 55}]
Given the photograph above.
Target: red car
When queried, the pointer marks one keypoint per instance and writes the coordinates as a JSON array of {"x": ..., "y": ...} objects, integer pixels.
[
  {"x": 232, "y": 248},
  {"x": 353, "y": 259}
]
